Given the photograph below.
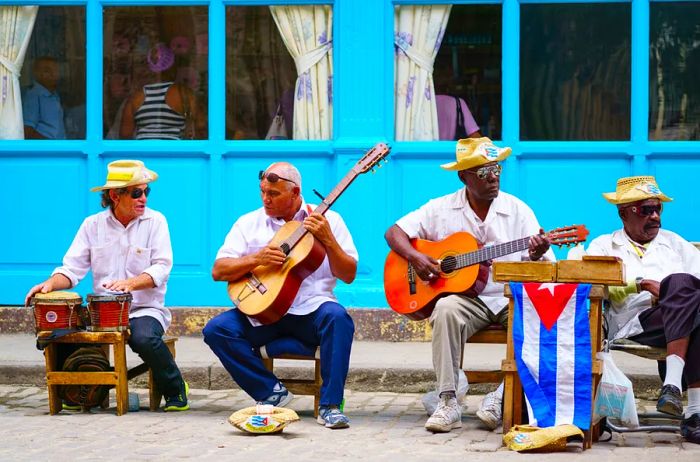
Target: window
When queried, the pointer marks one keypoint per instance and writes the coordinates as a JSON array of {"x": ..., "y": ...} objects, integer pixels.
[
  {"x": 575, "y": 71},
  {"x": 53, "y": 75},
  {"x": 155, "y": 72},
  {"x": 674, "y": 70}
]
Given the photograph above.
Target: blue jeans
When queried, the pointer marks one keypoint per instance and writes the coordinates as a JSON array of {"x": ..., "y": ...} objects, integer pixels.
[
  {"x": 234, "y": 340},
  {"x": 146, "y": 340}
]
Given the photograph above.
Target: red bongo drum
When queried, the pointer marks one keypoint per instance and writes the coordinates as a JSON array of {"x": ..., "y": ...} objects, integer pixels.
[
  {"x": 109, "y": 312},
  {"x": 56, "y": 310}
]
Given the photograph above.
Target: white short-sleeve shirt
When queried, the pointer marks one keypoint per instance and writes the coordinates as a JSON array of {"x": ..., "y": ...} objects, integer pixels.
[
  {"x": 254, "y": 231},
  {"x": 508, "y": 219}
]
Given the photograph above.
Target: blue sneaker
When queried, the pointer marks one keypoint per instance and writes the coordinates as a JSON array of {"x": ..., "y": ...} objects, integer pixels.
[
  {"x": 280, "y": 396},
  {"x": 331, "y": 417}
]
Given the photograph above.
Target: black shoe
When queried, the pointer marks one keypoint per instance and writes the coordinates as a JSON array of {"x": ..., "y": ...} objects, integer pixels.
[
  {"x": 670, "y": 401},
  {"x": 179, "y": 401},
  {"x": 690, "y": 428}
]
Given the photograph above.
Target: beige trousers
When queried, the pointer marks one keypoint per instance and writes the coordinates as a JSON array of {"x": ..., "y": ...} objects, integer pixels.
[{"x": 455, "y": 319}]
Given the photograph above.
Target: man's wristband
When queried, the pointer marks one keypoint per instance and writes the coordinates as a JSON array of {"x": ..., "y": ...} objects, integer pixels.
[{"x": 638, "y": 283}]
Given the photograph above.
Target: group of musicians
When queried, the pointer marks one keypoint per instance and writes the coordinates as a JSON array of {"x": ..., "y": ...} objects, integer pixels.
[{"x": 127, "y": 247}]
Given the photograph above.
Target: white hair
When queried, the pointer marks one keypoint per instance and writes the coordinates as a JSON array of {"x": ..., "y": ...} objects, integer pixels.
[{"x": 286, "y": 170}]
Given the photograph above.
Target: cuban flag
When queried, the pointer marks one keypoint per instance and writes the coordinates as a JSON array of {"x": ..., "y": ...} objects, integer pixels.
[{"x": 552, "y": 342}]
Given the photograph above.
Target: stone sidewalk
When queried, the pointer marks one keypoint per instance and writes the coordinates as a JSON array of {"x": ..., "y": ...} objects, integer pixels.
[{"x": 384, "y": 426}]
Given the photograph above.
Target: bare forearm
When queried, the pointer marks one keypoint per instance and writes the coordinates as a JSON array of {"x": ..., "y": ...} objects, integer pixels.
[
  {"x": 399, "y": 242},
  {"x": 343, "y": 266},
  {"x": 232, "y": 269}
]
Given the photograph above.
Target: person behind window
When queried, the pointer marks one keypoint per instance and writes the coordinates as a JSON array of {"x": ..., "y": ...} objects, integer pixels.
[
  {"x": 41, "y": 104},
  {"x": 660, "y": 306},
  {"x": 163, "y": 110},
  {"x": 455, "y": 122}
]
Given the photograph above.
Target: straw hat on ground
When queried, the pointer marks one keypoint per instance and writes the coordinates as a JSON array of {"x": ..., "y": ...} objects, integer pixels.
[
  {"x": 262, "y": 419},
  {"x": 125, "y": 173},
  {"x": 473, "y": 152},
  {"x": 635, "y": 188}
]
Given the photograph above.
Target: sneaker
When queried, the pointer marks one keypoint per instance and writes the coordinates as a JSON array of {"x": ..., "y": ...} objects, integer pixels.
[
  {"x": 491, "y": 410},
  {"x": 280, "y": 396},
  {"x": 331, "y": 417},
  {"x": 179, "y": 401},
  {"x": 67, "y": 406},
  {"x": 690, "y": 428},
  {"x": 447, "y": 416},
  {"x": 670, "y": 401}
]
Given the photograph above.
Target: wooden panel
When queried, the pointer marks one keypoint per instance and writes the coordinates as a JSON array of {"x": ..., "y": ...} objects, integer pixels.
[
  {"x": 595, "y": 270},
  {"x": 484, "y": 376},
  {"x": 525, "y": 271},
  {"x": 489, "y": 336},
  {"x": 82, "y": 378}
]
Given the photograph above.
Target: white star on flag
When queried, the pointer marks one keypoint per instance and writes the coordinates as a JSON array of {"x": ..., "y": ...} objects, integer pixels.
[{"x": 548, "y": 286}]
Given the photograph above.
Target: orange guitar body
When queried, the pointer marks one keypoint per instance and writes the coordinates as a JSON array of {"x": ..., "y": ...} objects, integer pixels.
[
  {"x": 267, "y": 292},
  {"x": 420, "y": 304}
]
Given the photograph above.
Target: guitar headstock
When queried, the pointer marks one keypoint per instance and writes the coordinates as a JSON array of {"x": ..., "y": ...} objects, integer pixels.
[
  {"x": 567, "y": 235},
  {"x": 371, "y": 158}
]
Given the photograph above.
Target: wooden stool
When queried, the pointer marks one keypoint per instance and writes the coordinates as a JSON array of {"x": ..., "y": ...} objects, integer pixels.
[
  {"x": 154, "y": 395},
  {"x": 299, "y": 386},
  {"x": 116, "y": 378},
  {"x": 495, "y": 333}
]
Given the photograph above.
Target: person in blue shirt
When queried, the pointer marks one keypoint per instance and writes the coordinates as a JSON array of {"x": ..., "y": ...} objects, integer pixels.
[{"x": 41, "y": 104}]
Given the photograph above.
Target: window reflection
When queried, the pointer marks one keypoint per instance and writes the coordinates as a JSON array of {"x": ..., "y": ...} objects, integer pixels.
[
  {"x": 575, "y": 71},
  {"x": 155, "y": 72},
  {"x": 53, "y": 75},
  {"x": 674, "y": 67}
]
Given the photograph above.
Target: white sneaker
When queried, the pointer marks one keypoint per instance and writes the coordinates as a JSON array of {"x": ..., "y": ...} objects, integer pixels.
[
  {"x": 447, "y": 416},
  {"x": 490, "y": 412}
]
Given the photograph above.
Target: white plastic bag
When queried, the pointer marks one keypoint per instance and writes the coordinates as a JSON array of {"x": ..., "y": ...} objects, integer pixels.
[
  {"x": 615, "y": 397},
  {"x": 278, "y": 127},
  {"x": 432, "y": 398}
]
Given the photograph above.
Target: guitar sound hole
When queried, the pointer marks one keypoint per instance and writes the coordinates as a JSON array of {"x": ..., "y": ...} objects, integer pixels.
[{"x": 448, "y": 265}]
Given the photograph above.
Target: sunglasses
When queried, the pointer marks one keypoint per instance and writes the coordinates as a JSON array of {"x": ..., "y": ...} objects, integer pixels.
[
  {"x": 138, "y": 192},
  {"x": 272, "y": 177},
  {"x": 485, "y": 172},
  {"x": 647, "y": 210}
]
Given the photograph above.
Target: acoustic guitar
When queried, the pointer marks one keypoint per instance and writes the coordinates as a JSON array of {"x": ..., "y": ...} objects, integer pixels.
[
  {"x": 266, "y": 293},
  {"x": 459, "y": 256}
]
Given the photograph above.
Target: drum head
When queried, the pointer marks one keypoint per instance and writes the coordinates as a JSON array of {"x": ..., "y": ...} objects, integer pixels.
[
  {"x": 113, "y": 297},
  {"x": 58, "y": 296}
]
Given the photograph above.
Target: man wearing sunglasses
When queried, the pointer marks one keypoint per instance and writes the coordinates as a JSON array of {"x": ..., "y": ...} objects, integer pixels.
[
  {"x": 128, "y": 249},
  {"x": 314, "y": 319},
  {"x": 492, "y": 217},
  {"x": 660, "y": 306}
]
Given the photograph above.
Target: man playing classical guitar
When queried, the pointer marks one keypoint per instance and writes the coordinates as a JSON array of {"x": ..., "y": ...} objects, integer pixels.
[
  {"x": 314, "y": 318},
  {"x": 492, "y": 217}
]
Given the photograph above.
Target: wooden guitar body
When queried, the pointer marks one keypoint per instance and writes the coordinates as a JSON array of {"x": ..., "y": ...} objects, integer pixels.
[
  {"x": 267, "y": 292},
  {"x": 420, "y": 304}
]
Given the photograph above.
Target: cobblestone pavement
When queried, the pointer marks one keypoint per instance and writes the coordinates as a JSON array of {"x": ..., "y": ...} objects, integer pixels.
[{"x": 385, "y": 426}]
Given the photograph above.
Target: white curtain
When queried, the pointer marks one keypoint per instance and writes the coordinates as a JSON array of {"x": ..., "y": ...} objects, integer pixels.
[
  {"x": 418, "y": 32},
  {"x": 307, "y": 34},
  {"x": 16, "y": 25}
]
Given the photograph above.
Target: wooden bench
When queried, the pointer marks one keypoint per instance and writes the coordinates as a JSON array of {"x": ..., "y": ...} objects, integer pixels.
[
  {"x": 299, "y": 386},
  {"x": 117, "y": 378},
  {"x": 495, "y": 333}
]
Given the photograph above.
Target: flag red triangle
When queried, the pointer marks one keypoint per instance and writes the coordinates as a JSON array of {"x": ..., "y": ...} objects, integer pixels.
[{"x": 549, "y": 305}]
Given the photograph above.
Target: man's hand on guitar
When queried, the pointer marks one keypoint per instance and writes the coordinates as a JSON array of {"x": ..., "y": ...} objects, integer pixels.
[
  {"x": 426, "y": 267},
  {"x": 317, "y": 225},
  {"x": 537, "y": 246},
  {"x": 270, "y": 255}
]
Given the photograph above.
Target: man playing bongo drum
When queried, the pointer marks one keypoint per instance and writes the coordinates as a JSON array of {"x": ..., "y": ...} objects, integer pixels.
[{"x": 128, "y": 249}]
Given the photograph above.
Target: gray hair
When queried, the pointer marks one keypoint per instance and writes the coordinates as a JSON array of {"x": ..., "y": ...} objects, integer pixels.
[
  {"x": 286, "y": 170},
  {"x": 107, "y": 201}
]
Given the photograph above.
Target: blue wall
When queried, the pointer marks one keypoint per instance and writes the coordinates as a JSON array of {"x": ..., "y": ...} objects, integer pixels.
[{"x": 205, "y": 185}]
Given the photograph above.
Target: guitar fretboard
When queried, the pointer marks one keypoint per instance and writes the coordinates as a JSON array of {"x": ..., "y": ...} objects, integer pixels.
[{"x": 485, "y": 253}]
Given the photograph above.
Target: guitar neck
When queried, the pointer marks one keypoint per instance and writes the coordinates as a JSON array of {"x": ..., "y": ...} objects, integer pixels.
[{"x": 488, "y": 253}]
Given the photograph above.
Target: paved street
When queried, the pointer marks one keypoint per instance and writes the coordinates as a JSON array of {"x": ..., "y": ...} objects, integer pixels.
[{"x": 385, "y": 426}]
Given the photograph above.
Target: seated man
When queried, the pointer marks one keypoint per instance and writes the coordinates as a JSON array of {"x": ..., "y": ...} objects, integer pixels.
[
  {"x": 314, "y": 318},
  {"x": 41, "y": 105},
  {"x": 127, "y": 247},
  {"x": 492, "y": 217},
  {"x": 663, "y": 266}
]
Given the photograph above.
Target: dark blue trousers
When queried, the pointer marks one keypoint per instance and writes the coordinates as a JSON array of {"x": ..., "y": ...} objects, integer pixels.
[
  {"x": 146, "y": 340},
  {"x": 234, "y": 340}
]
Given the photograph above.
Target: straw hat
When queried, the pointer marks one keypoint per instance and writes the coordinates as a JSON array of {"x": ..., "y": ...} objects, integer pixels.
[
  {"x": 124, "y": 173},
  {"x": 536, "y": 439},
  {"x": 635, "y": 188},
  {"x": 473, "y": 152},
  {"x": 262, "y": 418}
]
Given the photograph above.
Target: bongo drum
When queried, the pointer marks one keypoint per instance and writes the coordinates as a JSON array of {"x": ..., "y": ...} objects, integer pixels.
[
  {"x": 109, "y": 312},
  {"x": 56, "y": 310}
]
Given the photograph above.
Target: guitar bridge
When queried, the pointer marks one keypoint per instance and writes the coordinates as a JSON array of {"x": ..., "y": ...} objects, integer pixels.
[
  {"x": 255, "y": 284},
  {"x": 411, "y": 280},
  {"x": 252, "y": 285}
]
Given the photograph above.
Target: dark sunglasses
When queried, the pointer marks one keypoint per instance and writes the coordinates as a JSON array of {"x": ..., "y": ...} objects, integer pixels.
[
  {"x": 647, "y": 210},
  {"x": 272, "y": 177},
  {"x": 484, "y": 172},
  {"x": 138, "y": 192}
]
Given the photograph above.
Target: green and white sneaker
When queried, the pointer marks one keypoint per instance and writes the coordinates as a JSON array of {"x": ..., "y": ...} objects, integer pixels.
[{"x": 179, "y": 401}]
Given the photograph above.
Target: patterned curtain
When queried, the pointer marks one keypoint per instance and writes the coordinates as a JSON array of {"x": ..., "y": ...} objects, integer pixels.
[
  {"x": 418, "y": 32},
  {"x": 307, "y": 33},
  {"x": 16, "y": 25}
]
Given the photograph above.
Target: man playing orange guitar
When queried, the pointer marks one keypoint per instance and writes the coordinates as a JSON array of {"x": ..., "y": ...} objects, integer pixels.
[
  {"x": 492, "y": 217},
  {"x": 314, "y": 318}
]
